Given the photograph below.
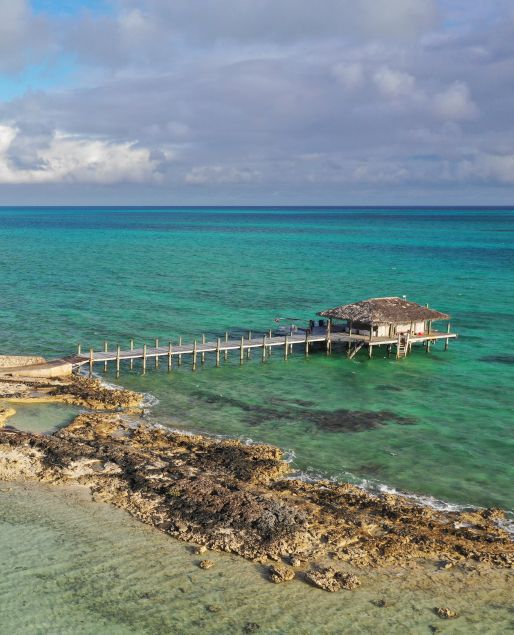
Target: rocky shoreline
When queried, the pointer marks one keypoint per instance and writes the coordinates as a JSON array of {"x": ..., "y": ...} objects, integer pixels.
[{"x": 230, "y": 496}]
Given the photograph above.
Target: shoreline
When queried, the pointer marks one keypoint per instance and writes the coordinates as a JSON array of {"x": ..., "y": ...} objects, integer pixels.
[
  {"x": 243, "y": 498},
  {"x": 157, "y": 581}
]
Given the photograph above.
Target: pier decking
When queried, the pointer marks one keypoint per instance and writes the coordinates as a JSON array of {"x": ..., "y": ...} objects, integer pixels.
[{"x": 173, "y": 352}]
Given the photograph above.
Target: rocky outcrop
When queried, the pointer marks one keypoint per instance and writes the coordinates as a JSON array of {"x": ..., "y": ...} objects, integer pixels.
[
  {"x": 79, "y": 390},
  {"x": 328, "y": 579},
  {"x": 240, "y": 498}
]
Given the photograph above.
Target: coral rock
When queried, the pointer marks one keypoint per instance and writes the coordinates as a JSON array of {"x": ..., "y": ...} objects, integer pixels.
[{"x": 279, "y": 573}]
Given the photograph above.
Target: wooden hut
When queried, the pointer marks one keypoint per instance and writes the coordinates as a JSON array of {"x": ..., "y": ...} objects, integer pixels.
[{"x": 387, "y": 321}]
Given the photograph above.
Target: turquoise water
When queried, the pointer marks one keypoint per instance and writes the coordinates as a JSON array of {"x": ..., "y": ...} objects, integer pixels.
[{"x": 85, "y": 275}]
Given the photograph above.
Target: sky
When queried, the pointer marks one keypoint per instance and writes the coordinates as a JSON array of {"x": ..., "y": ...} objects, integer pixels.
[{"x": 256, "y": 102}]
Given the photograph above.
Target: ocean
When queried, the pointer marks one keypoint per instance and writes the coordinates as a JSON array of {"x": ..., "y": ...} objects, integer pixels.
[{"x": 438, "y": 426}]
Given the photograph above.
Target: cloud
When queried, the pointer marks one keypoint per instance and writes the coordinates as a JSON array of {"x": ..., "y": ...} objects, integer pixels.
[
  {"x": 392, "y": 83},
  {"x": 488, "y": 168},
  {"x": 455, "y": 103},
  {"x": 269, "y": 96},
  {"x": 349, "y": 74},
  {"x": 70, "y": 159},
  {"x": 23, "y": 36},
  {"x": 209, "y": 174}
]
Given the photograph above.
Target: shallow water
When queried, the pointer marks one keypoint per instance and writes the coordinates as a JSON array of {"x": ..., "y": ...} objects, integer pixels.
[
  {"x": 73, "y": 566},
  {"x": 41, "y": 417}
]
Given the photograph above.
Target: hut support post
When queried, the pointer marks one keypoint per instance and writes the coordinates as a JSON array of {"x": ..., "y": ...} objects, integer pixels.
[
  {"x": 389, "y": 350},
  {"x": 370, "y": 351},
  {"x": 170, "y": 358},
  {"x": 447, "y": 341},
  {"x": 329, "y": 343},
  {"x": 194, "y": 355},
  {"x": 131, "y": 359},
  {"x": 218, "y": 353},
  {"x": 144, "y": 358},
  {"x": 106, "y": 348}
]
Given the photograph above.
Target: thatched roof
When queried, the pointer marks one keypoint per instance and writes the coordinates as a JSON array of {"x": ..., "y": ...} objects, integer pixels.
[{"x": 383, "y": 311}]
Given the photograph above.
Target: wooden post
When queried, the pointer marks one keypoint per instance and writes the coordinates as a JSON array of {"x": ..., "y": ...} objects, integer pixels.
[
  {"x": 329, "y": 325},
  {"x": 241, "y": 351},
  {"x": 447, "y": 339},
  {"x": 226, "y": 344},
  {"x": 306, "y": 343},
  {"x": 156, "y": 353},
  {"x": 106, "y": 348},
  {"x": 180, "y": 355},
  {"x": 194, "y": 356},
  {"x": 429, "y": 326},
  {"x": 131, "y": 359},
  {"x": 118, "y": 360},
  {"x": 428, "y": 346},
  {"x": 91, "y": 361},
  {"x": 370, "y": 351},
  {"x": 264, "y": 348},
  {"x": 248, "y": 352},
  {"x": 286, "y": 347},
  {"x": 144, "y": 358},
  {"x": 170, "y": 358},
  {"x": 269, "y": 347},
  {"x": 218, "y": 353},
  {"x": 203, "y": 352},
  {"x": 79, "y": 349},
  {"x": 389, "y": 350}
]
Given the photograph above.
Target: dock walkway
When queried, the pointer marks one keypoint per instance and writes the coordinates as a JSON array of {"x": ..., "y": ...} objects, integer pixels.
[{"x": 244, "y": 346}]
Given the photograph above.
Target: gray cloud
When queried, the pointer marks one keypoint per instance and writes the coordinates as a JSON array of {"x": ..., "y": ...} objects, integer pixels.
[{"x": 275, "y": 102}]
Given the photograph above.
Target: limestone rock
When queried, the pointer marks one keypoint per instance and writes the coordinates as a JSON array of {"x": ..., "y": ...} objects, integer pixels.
[
  {"x": 329, "y": 579},
  {"x": 279, "y": 573},
  {"x": 445, "y": 613},
  {"x": 206, "y": 564}
]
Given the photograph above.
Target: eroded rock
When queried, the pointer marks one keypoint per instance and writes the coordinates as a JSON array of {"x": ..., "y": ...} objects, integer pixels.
[
  {"x": 328, "y": 579},
  {"x": 279, "y": 573},
  {"x": 445, "y": 613}
]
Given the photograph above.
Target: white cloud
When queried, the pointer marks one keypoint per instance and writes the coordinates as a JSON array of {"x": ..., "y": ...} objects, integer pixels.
[
  {"x": 455, "y": 103},
  {"x": 349, "y": 74},
  {"x": 392, "y": 83},
  {"x": 206, "y": 174},
  {"x": 66, "y": 158},
  {"x": 488, "y": 167}
]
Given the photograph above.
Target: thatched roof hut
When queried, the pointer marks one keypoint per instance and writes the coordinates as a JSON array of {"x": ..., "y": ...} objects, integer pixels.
[{"x": 383, "y": 311}]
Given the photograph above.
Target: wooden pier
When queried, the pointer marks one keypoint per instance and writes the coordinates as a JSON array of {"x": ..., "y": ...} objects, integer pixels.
[{"x": 172, "y": 353}]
